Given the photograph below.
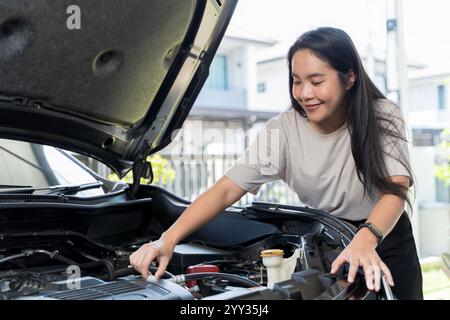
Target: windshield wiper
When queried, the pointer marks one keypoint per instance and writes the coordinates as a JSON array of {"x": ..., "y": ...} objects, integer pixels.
[
  {"x": 8, "y": 186},
  {"x": 58, "y": 189}
]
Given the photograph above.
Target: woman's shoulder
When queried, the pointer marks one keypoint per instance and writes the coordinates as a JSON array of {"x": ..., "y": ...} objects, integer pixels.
[
  {"x": 286, "y": 118},
  {"x": 388, "y": 107},
  {"x": 390, "y": 116},
  {"x": 285, "y": 122}
]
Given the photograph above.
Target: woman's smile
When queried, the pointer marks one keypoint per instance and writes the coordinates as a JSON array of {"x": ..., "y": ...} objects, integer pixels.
[{"x": 312, "y": 107}]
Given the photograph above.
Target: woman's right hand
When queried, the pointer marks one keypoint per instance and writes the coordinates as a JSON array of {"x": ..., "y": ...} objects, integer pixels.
[{"x": 160, "y": 249}]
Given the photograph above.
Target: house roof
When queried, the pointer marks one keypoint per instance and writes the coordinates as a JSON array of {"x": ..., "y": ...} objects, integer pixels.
[
  {"x": 430, "y": 72},
  {"x": 227, "y": 113},
  {"x": 428, "y": 119}
]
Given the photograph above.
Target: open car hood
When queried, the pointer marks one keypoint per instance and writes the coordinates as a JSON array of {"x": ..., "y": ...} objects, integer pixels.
[{"x": 109, "y": 79}]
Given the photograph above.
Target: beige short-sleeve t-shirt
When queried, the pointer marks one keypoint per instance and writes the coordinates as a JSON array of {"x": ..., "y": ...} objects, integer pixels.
[{"x": 319, "y": 168}]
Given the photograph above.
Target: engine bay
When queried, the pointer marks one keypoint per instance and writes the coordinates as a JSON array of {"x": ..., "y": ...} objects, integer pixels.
[
  {"x": 78, "y": 269},
  {"x": 230, "y": 264}
]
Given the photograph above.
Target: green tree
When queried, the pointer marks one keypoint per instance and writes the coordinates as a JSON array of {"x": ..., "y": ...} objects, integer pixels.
[
  {"x": 161, "y": 171},
  {"x": 442, "y": 170}
]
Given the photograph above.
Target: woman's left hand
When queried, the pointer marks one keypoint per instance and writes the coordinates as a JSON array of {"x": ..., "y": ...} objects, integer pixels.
[{"x": 361, "y": 253}]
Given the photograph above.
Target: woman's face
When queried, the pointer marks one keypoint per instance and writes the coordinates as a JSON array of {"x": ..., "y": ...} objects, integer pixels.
[{"x": 319, "y": 91}]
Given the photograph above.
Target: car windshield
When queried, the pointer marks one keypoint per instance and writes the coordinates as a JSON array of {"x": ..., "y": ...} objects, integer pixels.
[{"x": 24, "y": 164}]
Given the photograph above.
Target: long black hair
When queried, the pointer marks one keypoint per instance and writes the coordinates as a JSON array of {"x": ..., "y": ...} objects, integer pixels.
[{"x": 368, "y": 128}]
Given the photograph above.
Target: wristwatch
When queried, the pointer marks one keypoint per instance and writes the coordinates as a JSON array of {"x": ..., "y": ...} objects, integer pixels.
[{"x": 373, "y": 228}]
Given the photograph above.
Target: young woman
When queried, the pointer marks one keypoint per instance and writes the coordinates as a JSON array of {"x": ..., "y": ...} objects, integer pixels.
[{"x": 342, "y": 149}]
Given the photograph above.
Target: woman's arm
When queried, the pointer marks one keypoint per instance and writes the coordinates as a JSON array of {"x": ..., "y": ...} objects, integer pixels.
[
  {"x": 208, "y": 205},
  {"x": 387, "y": 211},
  {"x": 361, "y": 250}
]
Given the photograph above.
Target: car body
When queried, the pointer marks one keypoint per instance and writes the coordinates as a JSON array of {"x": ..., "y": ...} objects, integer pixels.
[{"x": 116, "y": 89}]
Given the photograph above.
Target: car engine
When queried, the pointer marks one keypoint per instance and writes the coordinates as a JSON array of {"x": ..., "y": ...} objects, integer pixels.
[
  {"x": 71, "y": 267},
  {"x": 80, "y": 250}
]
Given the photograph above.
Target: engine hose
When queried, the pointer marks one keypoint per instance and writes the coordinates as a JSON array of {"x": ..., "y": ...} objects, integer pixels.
[
  {"x": 63, "y": 259},
  {"x": 15, "y": 256},
  {"x": 167, "y": 274},
  {"x": 86, "y": 265},
  {"x": 53, "y": 255},
  {"x": 130, "y": 270},
  {"x": 125, "y": 272},
  {"x": 226, "y": 276},
  {"x": 109, "y": 266},
  {"x": 100, "y": 263}
]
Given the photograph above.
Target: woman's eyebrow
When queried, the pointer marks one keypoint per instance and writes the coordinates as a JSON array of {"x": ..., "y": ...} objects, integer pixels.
[{"x": 312, "y": 75}]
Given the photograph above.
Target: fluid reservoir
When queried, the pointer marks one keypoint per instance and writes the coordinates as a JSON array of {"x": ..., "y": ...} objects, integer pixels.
[{"x": 278, "y": 268}]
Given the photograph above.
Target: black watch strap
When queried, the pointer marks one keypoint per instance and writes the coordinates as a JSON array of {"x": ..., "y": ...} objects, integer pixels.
[{"x": 376, "y": 232}]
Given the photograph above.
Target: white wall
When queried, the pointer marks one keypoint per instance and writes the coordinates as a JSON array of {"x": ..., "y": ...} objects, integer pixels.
[
  {"x": 242, "y": 68},
  {"x": 423, "y": 97},
  {"x": 431, "y": 224},
  {"x": 250, "y": 75},
  {"x": 434, "y": 222},
  {"x": 236, "y": 68},
  {"x": 424, "y": 92},
  {"x": 275, "y": 76},
  {"x": 422, "y": 161}
]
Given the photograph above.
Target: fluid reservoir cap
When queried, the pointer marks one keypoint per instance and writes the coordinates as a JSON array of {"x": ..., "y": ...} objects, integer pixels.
[{"x": 272, "y": 253}]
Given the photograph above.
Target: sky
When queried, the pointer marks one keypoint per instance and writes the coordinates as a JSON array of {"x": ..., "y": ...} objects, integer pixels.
[{"x": 427, "y": 22}]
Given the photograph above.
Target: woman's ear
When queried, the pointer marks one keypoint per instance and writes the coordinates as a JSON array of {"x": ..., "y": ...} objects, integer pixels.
[{"x": 350, "y": 79}]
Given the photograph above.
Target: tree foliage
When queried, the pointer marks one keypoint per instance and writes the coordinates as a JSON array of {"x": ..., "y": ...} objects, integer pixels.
[{"x": 442, "y": 170}]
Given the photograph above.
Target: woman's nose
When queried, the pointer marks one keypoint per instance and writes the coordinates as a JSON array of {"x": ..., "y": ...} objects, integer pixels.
[{"x": 304, "y": 93}]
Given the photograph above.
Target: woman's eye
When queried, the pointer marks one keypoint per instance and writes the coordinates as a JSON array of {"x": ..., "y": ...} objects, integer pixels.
[{"x": 317, "y": 83}]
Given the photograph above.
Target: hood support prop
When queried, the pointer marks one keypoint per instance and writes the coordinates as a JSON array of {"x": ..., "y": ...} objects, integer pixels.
[{"x": 142, "y": 169}]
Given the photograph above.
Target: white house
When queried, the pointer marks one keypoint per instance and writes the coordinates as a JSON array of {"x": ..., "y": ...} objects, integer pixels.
[
  {"x": 429, "y": 115},
  {"x": 229, "y": 93},
  {"x": 223, "y": 120}
]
